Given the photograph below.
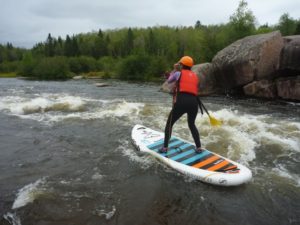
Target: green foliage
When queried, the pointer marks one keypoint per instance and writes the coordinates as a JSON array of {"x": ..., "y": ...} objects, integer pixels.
[
  {"x": 134, "y": 67},
  {"x": 242, "y": 22},
  {"x": 297, "y": 31},
  {"x": 109, "y": 65},
  {"x": 264, "y": 29},
  {"x": 28, "y": 64},
  {"x": 287, "y": 25},
  {"x": 83, "y": 64},
  {"x": 135, "y": 53},
  {"x": 51, "y": 68},
  {"x": 9, "y": 53},
  {"x": 8, "y": 67}
]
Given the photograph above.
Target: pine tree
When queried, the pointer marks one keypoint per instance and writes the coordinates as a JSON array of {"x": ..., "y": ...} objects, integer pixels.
[{"x": 49, "y": 46}]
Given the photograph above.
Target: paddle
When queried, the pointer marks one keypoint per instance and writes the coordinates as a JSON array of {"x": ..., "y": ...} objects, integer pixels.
[{"x": 213, "y": 121}]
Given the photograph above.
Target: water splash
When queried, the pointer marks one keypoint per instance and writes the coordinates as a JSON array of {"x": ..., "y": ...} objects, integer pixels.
[
  {"x": 12, "y": 218},
  {"x": 41, "y": 104},
  {"x": 28, "y": 194},
  {"x": 107, "y": 214},
  {"x": 129, "y": 151}
]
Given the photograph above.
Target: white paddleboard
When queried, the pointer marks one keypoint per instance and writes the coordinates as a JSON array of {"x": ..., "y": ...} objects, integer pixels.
[{"x": 207, "y": 166}]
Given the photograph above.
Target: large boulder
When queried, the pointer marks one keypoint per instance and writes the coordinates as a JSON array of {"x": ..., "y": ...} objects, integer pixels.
[
  {"x": 261, "y": 89},
  {"x": 289, "y": 88},
  {"x": 290, "y": 56},
  {"x": 251, "y": 58},
  {"x": 207, "y": 84}
]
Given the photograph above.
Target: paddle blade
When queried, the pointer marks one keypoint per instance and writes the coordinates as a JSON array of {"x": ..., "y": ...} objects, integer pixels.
[{"x": 214, "y": 121}]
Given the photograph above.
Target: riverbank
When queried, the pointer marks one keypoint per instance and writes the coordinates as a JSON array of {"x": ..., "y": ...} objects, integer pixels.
[{"x": 8, "y": 75}]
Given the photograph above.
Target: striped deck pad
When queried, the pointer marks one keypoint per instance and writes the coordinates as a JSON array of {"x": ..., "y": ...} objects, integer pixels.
[{"x": 184, "y": 153}]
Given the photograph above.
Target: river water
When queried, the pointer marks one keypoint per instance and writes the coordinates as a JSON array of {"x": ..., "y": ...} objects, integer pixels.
[{"x": 66, "y": 158}]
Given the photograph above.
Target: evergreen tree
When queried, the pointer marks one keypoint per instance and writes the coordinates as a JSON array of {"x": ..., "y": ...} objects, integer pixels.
[
  {"x": 297, "y": 30},
  {"x": 75, "y": 48},
  {"x": 58, "y": 47},
  {"x": 49, "y": 46},
  {"x": 198, "y": 25},
  {"x": 68, "y": 49},
  {"x": 100, "y": 47},
  {"x": 151, "y": 44},
  {"x": 129, "y": 42}
]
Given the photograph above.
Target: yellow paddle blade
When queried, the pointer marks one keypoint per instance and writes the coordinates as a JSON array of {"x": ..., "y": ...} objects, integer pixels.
[{"x": 214, "y": 121}]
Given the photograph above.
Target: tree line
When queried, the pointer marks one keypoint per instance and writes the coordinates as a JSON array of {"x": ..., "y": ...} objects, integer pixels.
[{"x": 134, "y": 53}]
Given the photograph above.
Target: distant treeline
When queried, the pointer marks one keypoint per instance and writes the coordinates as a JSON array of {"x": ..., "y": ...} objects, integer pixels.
[{"x": 134, "y": 53}]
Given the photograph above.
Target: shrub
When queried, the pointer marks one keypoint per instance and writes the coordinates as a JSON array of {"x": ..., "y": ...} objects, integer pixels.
[
  {"x": 83, "y": 64},
  {"x": 53, "y": 68},
  {"x": 135, "y": 67},
  {"x": 7, "y": 67}
]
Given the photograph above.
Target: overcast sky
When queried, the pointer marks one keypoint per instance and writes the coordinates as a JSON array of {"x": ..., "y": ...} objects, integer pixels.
[{"x": 26, "y": 22}]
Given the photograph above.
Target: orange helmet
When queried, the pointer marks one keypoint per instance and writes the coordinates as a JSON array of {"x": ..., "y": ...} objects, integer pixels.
[{"x": 187, "y": 61}]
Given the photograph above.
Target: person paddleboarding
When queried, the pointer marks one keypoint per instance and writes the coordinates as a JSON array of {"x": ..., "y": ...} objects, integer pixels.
[{"x": 185, "y": 101}]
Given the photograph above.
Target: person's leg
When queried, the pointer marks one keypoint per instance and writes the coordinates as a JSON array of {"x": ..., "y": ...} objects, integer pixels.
[
  {"x": 174, "y": 115},
  {"x": 192, "y": 114}
]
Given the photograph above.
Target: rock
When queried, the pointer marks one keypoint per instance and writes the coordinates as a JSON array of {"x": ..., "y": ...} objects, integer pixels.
[
  {"x": 289, "y": 88},
  {"x": 207, "y": 84},
  {"x": 251, "y": 58},
  {"x": 167, "y": 88},
  {"x": 290, "y": 56},
  {"x": 261, "y": 89},
  {"x": 101, "y": 84},
  {"x": 78, "y": 77}
]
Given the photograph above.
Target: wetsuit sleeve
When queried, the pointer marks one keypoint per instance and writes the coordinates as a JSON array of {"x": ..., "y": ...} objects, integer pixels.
[{"x": 174, "y": 76}]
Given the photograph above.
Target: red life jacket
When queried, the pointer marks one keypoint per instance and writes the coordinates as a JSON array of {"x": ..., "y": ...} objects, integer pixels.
[{"x": 188, "y": 82}]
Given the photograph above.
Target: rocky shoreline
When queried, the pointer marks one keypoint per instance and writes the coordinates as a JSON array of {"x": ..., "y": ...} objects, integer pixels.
[{"x": 261, "y": 66}]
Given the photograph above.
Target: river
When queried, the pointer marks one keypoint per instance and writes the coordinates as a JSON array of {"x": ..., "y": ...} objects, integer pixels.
[{"x": 66, "y": 158}]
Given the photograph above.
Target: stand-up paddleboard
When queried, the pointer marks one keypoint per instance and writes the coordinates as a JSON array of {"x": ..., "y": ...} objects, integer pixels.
[{"x": 207, "y": 166}]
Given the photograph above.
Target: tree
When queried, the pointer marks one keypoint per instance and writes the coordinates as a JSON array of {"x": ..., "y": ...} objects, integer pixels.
[
  {"x": 71, "y": 47},
  {"x": 198, "y": 25},
  {"x": 287, "y": 25},
  {"x": 100, "y": 47},
  {"x": 58, "y": 47},
  {"x": 242, "y": 22},
  {"x": 151, "y": 44},
  {"x": 129, "y": 40},
  {"x": 68, "y": 47},
  {"x": 49, "y": 46},
  {"x": 27, "y": 65},
  {"x": 264, "y": 29},
  {"x": 297, "y": 30}
]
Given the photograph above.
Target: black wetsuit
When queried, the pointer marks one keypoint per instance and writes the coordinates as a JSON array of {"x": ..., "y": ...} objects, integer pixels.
[{"x": 185, "y": 103}]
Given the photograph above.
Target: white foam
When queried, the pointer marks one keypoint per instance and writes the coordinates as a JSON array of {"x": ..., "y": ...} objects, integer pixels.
[
  {"x": 12, "y": 218},
  {"x": 97, "y": 176},
  {"x": 281, "y": 171},
  {"x": 122, "y": 109},
  {"x": 22, "y": 106},
  {"x": 128, "y": 150},
  {"x": 28, "y": 194},
  {"x": 107, "y": 214},
  {"x": 250, "y": 131}
]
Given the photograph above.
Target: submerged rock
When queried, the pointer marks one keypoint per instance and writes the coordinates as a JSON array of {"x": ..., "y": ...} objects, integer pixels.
[{"x": 102, "y": 84}]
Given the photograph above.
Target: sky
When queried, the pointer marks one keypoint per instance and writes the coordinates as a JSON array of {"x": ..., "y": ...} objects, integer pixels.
[{"x": 27, "y": 22}]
